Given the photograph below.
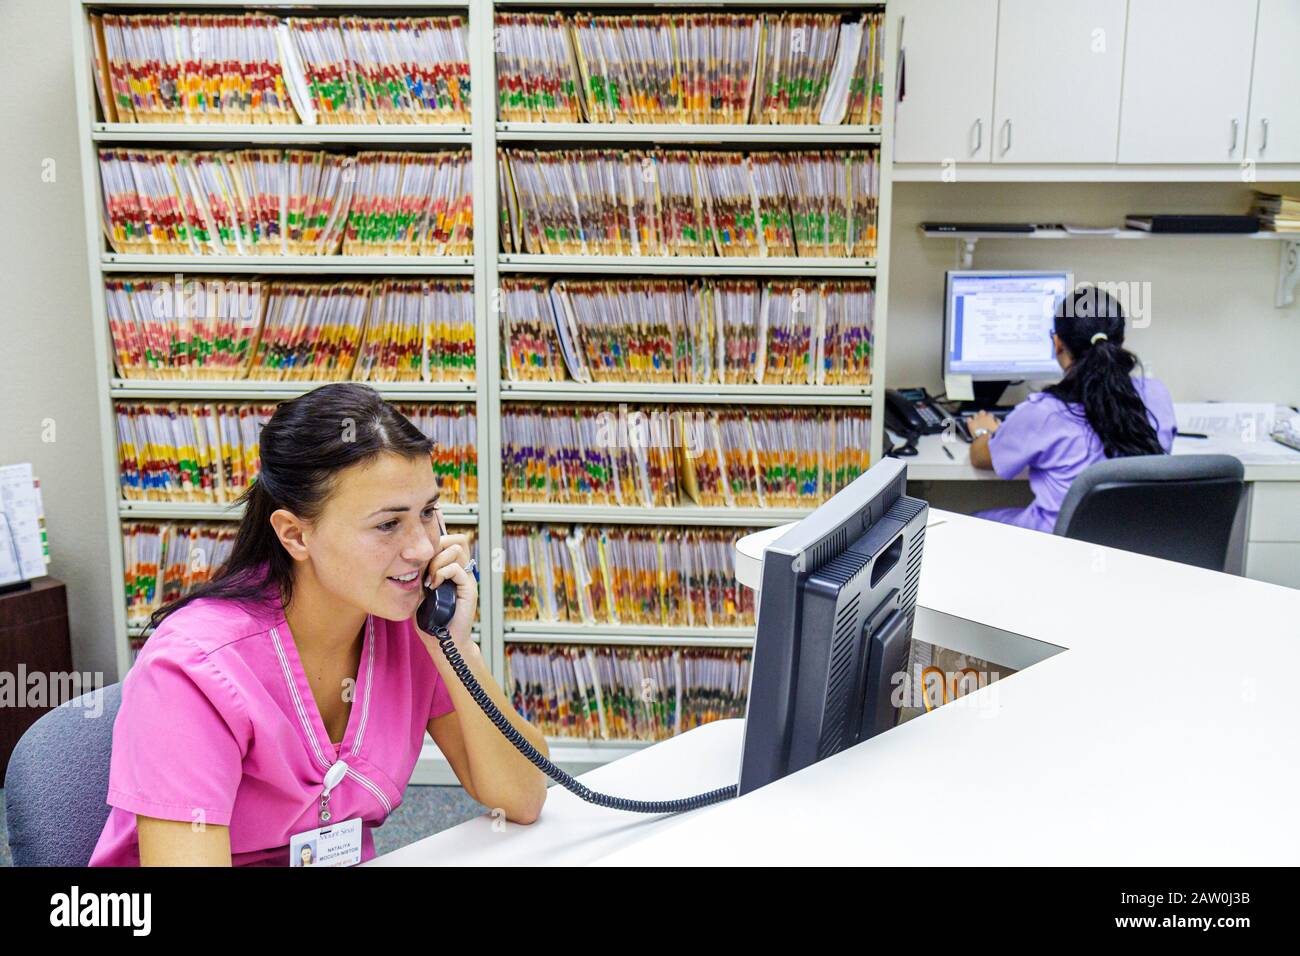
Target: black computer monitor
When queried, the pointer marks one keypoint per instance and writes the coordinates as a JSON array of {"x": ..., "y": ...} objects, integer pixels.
[{"x": 835, "y": 614}]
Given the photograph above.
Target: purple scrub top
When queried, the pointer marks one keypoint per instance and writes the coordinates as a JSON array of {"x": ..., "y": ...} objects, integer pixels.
[{"x": 1054, "y": 442}]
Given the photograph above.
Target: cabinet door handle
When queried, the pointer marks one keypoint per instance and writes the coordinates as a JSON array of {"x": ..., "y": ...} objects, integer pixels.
[
  {"x": 1006, "y": 137},
  {"x": 1233, "y": 147},
  {"x": 979, "y": 136},
  {"x": 1263, "y": 139}
]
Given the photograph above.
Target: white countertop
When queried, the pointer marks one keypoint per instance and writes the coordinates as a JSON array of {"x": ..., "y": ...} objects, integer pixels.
[
  {"x": 1265, "y": 459},
  {"x": 1164, "y": 733}
]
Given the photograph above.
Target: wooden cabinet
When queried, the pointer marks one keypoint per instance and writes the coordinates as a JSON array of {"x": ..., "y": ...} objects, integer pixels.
[
  {"x": 1187, "y": 70},
  {"x": 34, "y": 637}
]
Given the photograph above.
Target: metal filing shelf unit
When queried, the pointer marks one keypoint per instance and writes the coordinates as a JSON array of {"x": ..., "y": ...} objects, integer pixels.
[{"x": 482, "y": 135}]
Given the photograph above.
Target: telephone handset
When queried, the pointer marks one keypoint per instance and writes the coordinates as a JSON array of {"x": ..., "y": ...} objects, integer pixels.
[
  {"x": 438, "y": 607},
  {"x": 434, "y": 615}
]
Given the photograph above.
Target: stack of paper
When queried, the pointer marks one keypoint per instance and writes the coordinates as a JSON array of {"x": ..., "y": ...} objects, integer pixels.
[
  {"x": 1277, "y": 213},
  {"x": 23, "y": 550}
]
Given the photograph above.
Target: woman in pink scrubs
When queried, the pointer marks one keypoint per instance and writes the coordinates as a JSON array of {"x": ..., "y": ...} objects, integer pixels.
[
  {"x": 299, "y": 662},
  {"x": 1098, "y": 410}
]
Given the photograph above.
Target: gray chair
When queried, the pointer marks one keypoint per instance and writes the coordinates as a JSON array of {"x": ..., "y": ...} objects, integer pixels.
[
  {"x": 1177, "y": 507},
  {"x": 57, "y": 782}
]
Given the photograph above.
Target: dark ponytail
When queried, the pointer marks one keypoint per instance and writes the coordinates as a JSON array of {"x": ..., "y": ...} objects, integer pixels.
[
  {"x": 304, "y": 446},
  {"x": 1090, "y": 323}
]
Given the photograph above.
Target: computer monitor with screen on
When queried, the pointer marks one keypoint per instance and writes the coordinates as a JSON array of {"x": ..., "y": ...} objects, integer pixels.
[
  {"x": 835, "y": 614},
  {"x": 998, "y": 327}
]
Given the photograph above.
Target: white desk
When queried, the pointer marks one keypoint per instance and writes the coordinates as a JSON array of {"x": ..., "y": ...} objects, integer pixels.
[
  {"x": 1163, "y": 733},
  {"x": 1262, "y": 463},
  {"x": 1270, "y": 524},
  {"x": 571, "y": 832}
]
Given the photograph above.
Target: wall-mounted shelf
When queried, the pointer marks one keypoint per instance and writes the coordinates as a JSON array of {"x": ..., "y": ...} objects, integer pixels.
[{"x": 1288, "y": 270}]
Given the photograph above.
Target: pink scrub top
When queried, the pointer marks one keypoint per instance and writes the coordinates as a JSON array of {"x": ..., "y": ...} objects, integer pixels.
[
  {"x": 1053, "y": 442},
  {"x": 218, "y": 725}
]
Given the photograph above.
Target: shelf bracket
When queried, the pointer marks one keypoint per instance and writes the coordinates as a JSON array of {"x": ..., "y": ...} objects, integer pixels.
[
  {"x": 1288, "y": 272},
  {"x": 966, "y": 252}
]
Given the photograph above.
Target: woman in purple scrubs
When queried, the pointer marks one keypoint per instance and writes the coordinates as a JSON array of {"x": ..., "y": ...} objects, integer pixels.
[{"x": 1098, "y": 410}]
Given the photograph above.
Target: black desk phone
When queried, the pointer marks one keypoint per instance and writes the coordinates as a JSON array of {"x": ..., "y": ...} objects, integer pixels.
[
  {"x": 911, "y": 411},
  {"x": 433, "y": 616}
]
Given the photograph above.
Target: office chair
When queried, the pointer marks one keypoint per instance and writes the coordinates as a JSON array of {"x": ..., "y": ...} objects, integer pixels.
[
  {"x": 1177, "y": 507},
  {"x": 57, "y": 782}
]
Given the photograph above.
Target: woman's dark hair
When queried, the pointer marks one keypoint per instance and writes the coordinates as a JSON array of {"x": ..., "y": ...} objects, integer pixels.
[
  {"x": 304, "y": 446},
  {"x": 1099, "y": 377}
]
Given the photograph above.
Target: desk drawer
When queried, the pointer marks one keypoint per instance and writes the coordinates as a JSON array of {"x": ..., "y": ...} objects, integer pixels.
[
  {"x": 1275, "y": 511},
  {"x": 1274, "y": 562}
]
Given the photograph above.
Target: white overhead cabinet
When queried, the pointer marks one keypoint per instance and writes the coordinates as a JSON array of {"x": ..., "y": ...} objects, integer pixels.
[
  {"x": 1060, "y": 64},
  {"x": 1187, "y": 71},
  {"x": 1273, "y": 133},
  {"x": 945, "y": 112}
]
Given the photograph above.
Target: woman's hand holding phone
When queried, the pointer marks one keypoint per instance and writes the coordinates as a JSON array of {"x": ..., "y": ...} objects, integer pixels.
[{"x": 449, "y": 564}]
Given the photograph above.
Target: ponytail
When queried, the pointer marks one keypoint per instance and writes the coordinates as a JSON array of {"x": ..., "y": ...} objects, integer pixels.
[
  {"x": 1090, "y": 323},
  {"x": 304, "y": 446}
]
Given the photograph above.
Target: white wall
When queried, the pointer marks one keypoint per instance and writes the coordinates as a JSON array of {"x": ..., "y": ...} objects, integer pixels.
[
  {"x": 47, "y": 372},
  {"x": 1213, "y": 333}
]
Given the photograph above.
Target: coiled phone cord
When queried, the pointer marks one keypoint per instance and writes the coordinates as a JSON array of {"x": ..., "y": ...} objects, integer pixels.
[{"x": 512, "y": 734}]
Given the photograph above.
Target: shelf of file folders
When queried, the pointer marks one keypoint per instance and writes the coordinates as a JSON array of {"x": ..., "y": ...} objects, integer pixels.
[
  {"x": 747, "y": 339},
  {"x": 163, "y": 560},
  {"x": 180, "y": 460},
  {"x": 725, "y": 465},
  {"x": 328, "y": 70},
  {"x": 233, "y": 337}
]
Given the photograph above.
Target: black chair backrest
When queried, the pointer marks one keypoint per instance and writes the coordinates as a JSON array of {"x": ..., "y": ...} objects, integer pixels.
[{"x": 1177, "y": 507}]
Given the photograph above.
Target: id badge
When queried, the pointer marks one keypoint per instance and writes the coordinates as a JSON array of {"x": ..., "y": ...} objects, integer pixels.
[{"x": 338, "y": 844}]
